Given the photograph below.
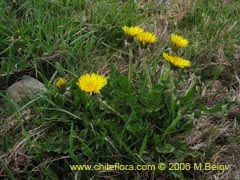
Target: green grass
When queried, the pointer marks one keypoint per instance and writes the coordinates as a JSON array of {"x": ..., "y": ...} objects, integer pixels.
[
  {"x": 128, "y": 123},
  {"x": 213, "y": 30}
]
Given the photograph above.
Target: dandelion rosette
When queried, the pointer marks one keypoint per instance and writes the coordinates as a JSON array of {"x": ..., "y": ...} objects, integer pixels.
[
  {"x": 177, "y": 61},
  {"x": 92, "y": 83},
  {"x": 146, "y": 38},
  {"x": 60, "y": 82},
  {"x": 132, "y": 31},
  {"x": 179, "y": 41}
]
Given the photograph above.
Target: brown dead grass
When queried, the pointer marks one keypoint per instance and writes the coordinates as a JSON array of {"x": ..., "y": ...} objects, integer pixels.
[
  {"x": 210, "y": 135},
  {"x": 227, "y": 155},
  {"x": 209, "y": 132},
  {"x": 16, "y": 158}
]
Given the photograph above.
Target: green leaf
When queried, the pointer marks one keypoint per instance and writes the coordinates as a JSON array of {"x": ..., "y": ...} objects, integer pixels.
[
  {"x": 133, "y": 128},
  {"x": 60, "y": 69},
  {"x": 7, "y": 169},
  {"x": 214, "y": 109},
  {"x": 50, "y": 173},
  {"x": 178, "y": 174},
  {"x": 123, "y": 82},
  {"x": 167, "y": 148},
  {"x": 143, "y": 146}
]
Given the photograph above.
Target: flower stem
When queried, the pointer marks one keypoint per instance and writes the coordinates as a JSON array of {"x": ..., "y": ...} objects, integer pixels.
[
  {"x": 145, "y": 66},
  {"x": 174, "y": 49},
  {"x": 130, "y": 71},
  {"x": 172, "y": 94},
  {"x": 109, "y": 107}
]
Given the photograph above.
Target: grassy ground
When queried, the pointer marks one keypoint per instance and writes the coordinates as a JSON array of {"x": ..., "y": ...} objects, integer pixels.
[{"x": 188, "y": 116}]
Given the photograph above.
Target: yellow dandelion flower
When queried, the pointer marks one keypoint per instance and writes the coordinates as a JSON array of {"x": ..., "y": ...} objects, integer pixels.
[
  {"x": 92, "y": 83},
  {"x": 60, "y": 82},
  {"x": 179, "y": 41},
  {"x": 146, "y": 38},
  {"x": 132, "y": 31},
  {"x": 177, "y": 61}
]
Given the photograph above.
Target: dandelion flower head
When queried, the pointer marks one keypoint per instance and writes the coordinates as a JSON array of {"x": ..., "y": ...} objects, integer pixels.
[
  {"x": 60, "y": 82},
  {"x": 177, "y": 61},
  {"x": 179, "y": 41},
  {"x": 92, "y": 83},
  {"x": 132, "y": 31},
  {"x": 146, "y": 38}
]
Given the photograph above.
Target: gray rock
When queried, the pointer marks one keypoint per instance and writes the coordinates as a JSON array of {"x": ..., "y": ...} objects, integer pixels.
[{"x": 27, "y": 87}]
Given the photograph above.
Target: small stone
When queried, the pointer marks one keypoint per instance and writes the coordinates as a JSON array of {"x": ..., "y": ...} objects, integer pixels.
[{"x": 27, "y": 87}]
